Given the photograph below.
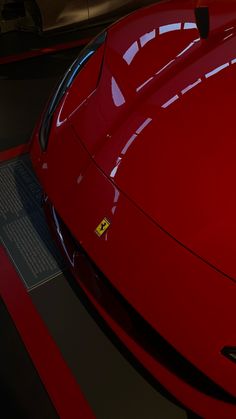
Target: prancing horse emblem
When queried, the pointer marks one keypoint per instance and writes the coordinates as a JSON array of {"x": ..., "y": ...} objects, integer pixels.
[{"x": 102, "y": 227}]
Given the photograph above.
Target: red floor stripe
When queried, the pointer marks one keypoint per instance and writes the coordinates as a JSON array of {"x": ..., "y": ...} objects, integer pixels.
[
  {"x": 60, "y": 384},
  {"x": 42, "y": 51},
  {"x": 14, "y": 152}
]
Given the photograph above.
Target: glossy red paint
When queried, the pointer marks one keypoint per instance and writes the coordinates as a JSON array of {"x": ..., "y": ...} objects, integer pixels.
[{"x": 152, "y": 149}]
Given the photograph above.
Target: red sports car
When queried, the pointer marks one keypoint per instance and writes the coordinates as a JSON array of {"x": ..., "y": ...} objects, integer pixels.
[{"x": 136, "y": 154}]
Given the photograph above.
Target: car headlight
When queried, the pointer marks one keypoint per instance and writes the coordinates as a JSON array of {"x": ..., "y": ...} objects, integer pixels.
[{"x": 64, "y": 84}]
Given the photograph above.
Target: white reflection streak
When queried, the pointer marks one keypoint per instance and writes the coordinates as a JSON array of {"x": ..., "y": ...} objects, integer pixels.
[
  {"x": 128, "y": 144},
  {"x": 134, "y": 136},
  {"x": 147, "y": 37},
  {"x": 116, "y": 198},
  {"x": 185, "y": 49},
  {"x": 144, "y": 84},
  {"x": 59, "y": 121},
  {"x": 190, "y": 25},
  {"x": 79, "y": 179},
  {"x": 144, "y": 39},
  {"x": 117, "y": 95},
  {"x": 113, "y": 210},
  {"x": 117, "y": 194},
  {"x": 216, "y": 70},
  {"x": 190, "y": 86},
  {"x": 188, "y": 47},
  {"x": 144, "y": 124},
  {"x": 169, "y": 28},
  {"x": 170, "y": 101},
  {"x": 165, "y": 66},
  {"x": 114, "y": 170},
  {"x": 131, "y": 52},
  {"x": 229, "y": 36}
]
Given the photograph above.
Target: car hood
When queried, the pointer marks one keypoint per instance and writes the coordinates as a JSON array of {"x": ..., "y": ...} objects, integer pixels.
[{"x": 164, "y": 127}]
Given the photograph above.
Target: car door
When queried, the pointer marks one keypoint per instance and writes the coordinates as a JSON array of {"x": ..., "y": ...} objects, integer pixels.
[{"x": 61, "y": 13}]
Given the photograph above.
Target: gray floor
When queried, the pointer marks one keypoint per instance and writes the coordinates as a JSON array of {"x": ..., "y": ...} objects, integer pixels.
[{"x": 114, "y": 389}]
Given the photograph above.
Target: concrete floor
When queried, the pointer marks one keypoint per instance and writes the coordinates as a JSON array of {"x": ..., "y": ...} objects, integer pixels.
[{"x": 113, "y": 387}]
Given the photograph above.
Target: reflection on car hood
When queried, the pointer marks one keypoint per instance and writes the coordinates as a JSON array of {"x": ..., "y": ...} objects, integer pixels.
[{"x": 163, "y": 130}]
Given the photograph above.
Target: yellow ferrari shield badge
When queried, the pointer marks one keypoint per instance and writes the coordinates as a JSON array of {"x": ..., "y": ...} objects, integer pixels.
[{"x": 102, "y": 227}]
